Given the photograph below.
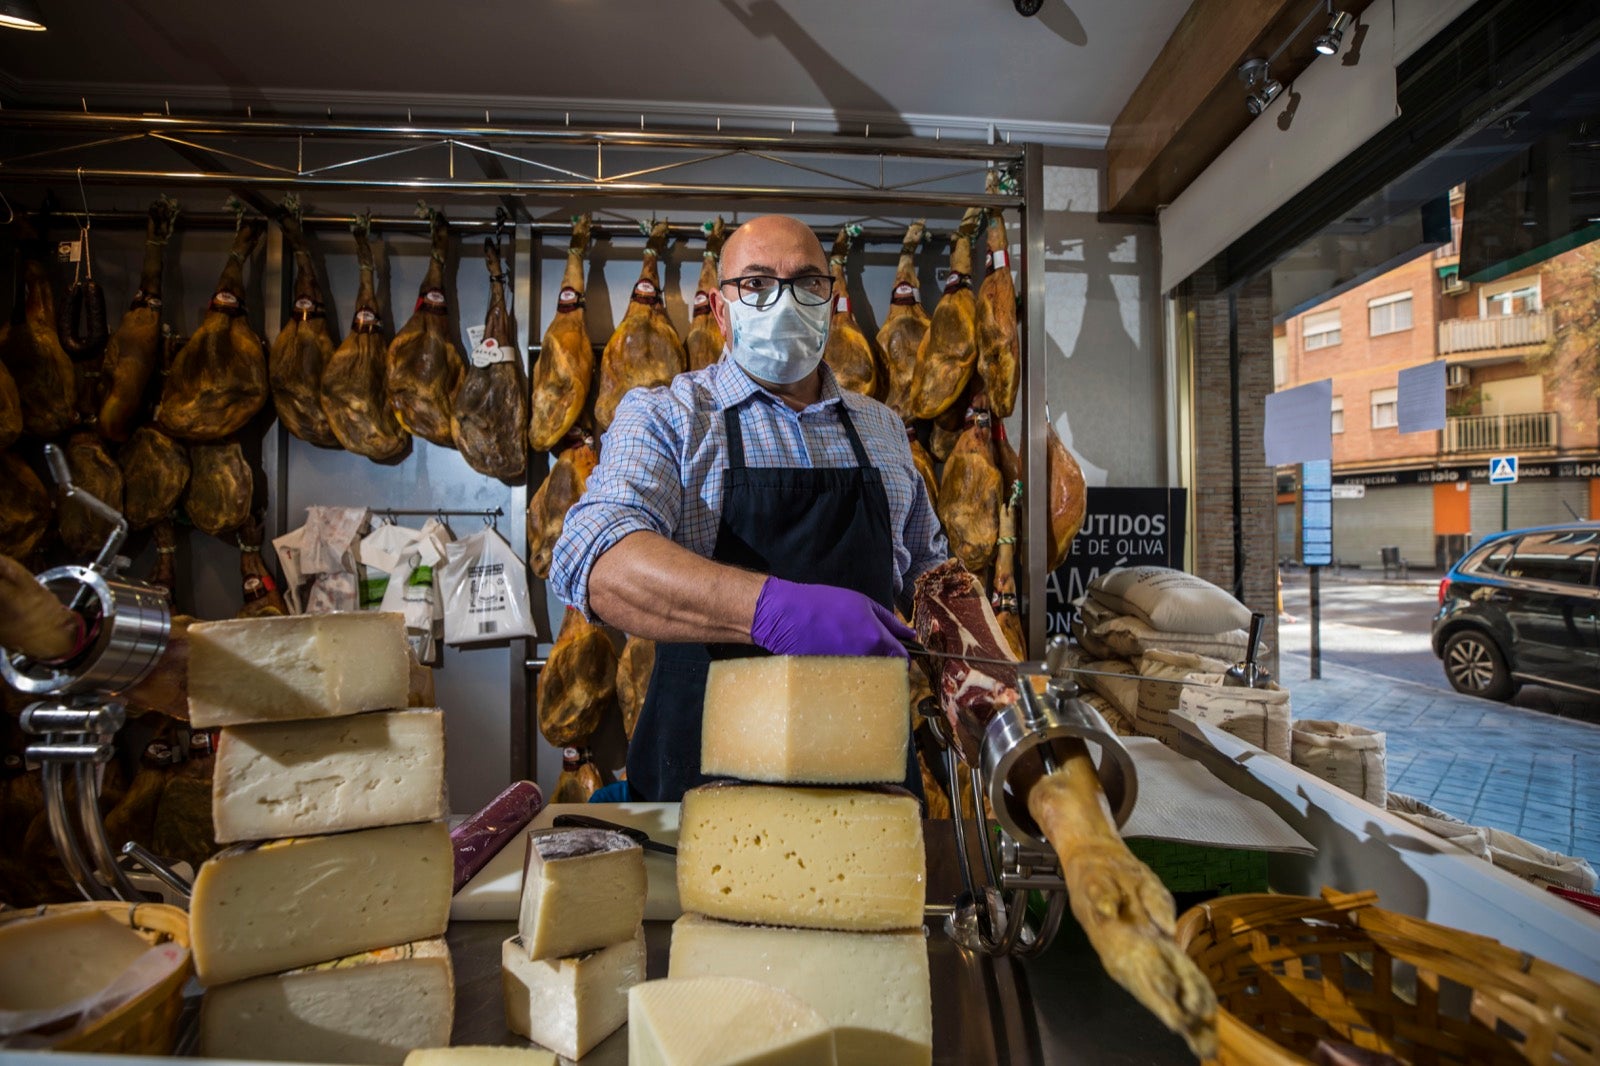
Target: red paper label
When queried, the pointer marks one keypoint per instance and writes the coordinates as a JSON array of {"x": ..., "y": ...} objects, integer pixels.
[
  {"x": 645, "y": 292},
  {"x": 702, "y": 303},
  {"x": 955, "y": 281},
  {"x": 905, "y": 294},
  {"x": 570, "y": 299},
  {"x": 431, "y": 302}
]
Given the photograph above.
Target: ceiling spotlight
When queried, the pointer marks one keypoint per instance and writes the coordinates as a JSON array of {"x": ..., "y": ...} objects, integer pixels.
[
  {"x": 1264, "y": 88},
  {"x": 1328, "y": 41},
  {"x": 20, "y": 15}
]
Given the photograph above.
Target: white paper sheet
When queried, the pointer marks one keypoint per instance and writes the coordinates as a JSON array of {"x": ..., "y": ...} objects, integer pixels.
[
  {"x": 1299, "y": 425},
  {"x": 1180, "y": 800},
  {"x": 1421, "y": 399}
]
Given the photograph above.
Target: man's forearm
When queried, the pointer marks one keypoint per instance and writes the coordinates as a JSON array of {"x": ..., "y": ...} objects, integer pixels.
[{"x": 649, "y": 587}]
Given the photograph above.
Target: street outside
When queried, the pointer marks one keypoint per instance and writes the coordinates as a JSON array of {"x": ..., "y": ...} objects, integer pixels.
[{"x": 1530, "y": 766}]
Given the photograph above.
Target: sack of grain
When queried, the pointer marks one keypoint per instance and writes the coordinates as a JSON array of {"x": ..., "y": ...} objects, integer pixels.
[
  {"x": 1349, "y": 756},
  {"x": 1121, "y": 691},
  {"x": 1425, "y": 816},
  {"x": 1159, "y": 688},
  {"x": 1258, "y": 715},
  {"x": 1508, "y": 851},
  {"x": 1089, "y": 639},
  {"x": 1119, "y": 725},
  {"x": 1127, "y": 636},
  {"x": 1169, "y": 600}
]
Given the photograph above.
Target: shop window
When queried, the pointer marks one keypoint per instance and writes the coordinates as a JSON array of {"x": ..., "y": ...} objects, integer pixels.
[
  {"x": 1385, "y": 408},
  {"x": 1338, "y": 414},
  {"x": 1389, "y": 314},
  {"x": 1522, "y": 299},
  {"x": 1321, "y": 330},
  {"x": 1562, "y": 558}
]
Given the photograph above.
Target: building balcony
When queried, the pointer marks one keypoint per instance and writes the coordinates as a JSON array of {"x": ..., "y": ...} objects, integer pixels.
[
  {"x": 1496, "y": 339},
  {"x": 1502, "y": 434}
]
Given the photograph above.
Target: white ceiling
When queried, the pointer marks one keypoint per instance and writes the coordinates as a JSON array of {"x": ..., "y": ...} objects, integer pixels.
[{"x": 911, "y": 66}]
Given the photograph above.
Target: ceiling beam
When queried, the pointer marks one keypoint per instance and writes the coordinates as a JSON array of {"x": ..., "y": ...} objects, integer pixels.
[{"x": 1190, "y": 104}]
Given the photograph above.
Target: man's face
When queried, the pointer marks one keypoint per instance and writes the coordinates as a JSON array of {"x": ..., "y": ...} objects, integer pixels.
[{"x": 772, "y": 244}]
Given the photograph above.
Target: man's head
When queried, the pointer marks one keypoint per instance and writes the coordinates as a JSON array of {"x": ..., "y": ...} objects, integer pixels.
[{"x": 762, "y": 339}]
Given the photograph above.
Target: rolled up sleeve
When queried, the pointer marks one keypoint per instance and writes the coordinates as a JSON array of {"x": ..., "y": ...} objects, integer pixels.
[
  {"x": 636, "y": 486},
  {"x": 923, "y": 535}
]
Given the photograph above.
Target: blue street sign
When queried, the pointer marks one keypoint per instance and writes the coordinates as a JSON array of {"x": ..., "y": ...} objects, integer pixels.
[
  {"x": 1503, "y": 470},
  {"x": 1316, "y": 513}
]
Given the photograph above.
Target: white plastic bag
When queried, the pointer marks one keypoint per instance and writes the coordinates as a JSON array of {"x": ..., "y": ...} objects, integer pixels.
[{"x": 484, "y": 587}]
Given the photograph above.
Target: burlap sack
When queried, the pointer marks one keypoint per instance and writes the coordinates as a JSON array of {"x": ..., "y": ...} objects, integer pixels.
[
  {"x": 1089, "y": 640},
  {"x": 1120, "y": 726},
  {"x": 1170, "y": 600},
  {"x": 1349, "y": 756},
  {"x": 1159, "y": 690},
  {"x": 1258, "y": 715},
  {"x": 1121, "y": 692},
  {"x": 1128, "y": 637},
  {"x": 1508, "y": 851}
]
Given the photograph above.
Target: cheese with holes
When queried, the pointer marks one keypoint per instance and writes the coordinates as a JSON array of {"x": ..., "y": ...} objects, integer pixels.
[
  {"x": 371, "y": 1007},
  {"x": 480, "y": 1055},
  {"x": 822, "y": 858},
  {"x": 264, "y": 908},
  {"x": 807, "y": 718},
  {"x": 280, "y": 669},
  {"x": 582, "y": 889},
  {"x": 300, "y": 778},
  {"x": 871, "y": 988},
  {"x": 570, "y": 1005},
  {"x": 724, "y": 1021},
  {"x": 50, "y": 960}
]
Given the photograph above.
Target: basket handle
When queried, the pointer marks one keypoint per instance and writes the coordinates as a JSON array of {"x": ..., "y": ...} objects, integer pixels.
[{"x": 1348, "y": 901}]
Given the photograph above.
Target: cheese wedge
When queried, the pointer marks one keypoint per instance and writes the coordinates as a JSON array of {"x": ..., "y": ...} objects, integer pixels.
[
  {"x": 582, "y": 889},
  {"x": 264, "y": 908},
  {"x": 570, "y": 1005},
  {"x": 819, "y": 858},
  {"x": 50, "y": 960},
  {"x": 246, "y": 670},
  {"x": 830, "y": 720},
  {"x": 723, "y": 1021},
  {"x": 871, "y": 988},
  {"x": 300, "y": 778},
  {"x": 373, "y": 1007},
  {"x": 480, "y": 1055}
]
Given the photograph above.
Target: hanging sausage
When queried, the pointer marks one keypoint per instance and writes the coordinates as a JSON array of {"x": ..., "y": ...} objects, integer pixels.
[
  {"x": 950, "y": 348},
  {"x": 563, "y": 376},
  {"x": 134, "y": 351},
  {"x": 423, "y": 365},
  {"x": 848, "y": 352},
  {"x": 705, "y": 341},
  {"x": 904, "y": 326},
  {"x": 355, "y": 395},
  {"x": 303, "y": 347},
  {"x": 490, "y": 408},
  {"x": 644, "y": 351}
]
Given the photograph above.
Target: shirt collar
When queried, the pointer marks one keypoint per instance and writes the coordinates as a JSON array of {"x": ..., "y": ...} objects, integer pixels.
[{"x": 731, "y": 386}]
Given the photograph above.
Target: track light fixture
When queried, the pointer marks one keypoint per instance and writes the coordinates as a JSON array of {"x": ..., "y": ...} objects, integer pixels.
[
  {"x": 1262, "y": 87},
  {"x": 20, "y": 15},
  {"x": 1328, "y": 41}
]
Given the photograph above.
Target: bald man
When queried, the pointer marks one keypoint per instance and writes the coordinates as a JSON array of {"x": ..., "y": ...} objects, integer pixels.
[{"x": 751, "y": 507}]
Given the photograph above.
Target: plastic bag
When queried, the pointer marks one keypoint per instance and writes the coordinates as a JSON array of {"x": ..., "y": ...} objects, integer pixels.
[{"x": 484, "y": 588}]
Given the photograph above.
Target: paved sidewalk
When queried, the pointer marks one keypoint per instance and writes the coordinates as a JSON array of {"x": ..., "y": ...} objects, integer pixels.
[{"x": 1487, "y": 763}]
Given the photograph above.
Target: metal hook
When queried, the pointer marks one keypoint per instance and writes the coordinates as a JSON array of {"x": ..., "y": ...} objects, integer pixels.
[{"x": 83, "y": 195}]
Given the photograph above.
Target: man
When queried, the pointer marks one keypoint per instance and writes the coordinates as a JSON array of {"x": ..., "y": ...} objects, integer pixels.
[{"x": 749, "y": 506}]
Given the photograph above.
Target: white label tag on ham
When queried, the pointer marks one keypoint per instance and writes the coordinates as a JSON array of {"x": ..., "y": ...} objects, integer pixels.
[
  {"x": 998, "y": 259},
  {"x": 303, "y": 304},
  {"x": 841, "y": 306},
  {"x": 226, "y": 299},
  {"x": 568, "y": 296},
  {"x": 701, "y": 299}
]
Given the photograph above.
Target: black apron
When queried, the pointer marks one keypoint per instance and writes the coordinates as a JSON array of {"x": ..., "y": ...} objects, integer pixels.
[{"x": 828, "y": 526}]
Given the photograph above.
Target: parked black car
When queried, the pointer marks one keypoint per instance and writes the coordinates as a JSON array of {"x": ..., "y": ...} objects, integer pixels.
[{"x": 1523, "y": 606}]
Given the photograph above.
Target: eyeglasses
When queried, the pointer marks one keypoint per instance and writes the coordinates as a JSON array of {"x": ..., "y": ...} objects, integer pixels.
[{"x": 764, "y": 290}]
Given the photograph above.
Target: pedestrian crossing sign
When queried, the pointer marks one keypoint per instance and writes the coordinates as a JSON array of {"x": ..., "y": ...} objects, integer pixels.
[{"x": 1503, "y": 470}]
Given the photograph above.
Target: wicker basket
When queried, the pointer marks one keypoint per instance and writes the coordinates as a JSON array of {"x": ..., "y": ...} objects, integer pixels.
[
  {"x": 148, "y": 1023},
  {"x": 1291, "y": 971}
]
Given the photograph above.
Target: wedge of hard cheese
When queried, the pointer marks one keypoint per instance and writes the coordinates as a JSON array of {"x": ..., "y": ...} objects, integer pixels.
[
  {"x": 480, "y": 1055},
  {"x": 246, "y": 670},
  {"x": 871, "y": 988},
  {"x": 807, "y": 719},
  {"x": 265, "y": 908},
  {"x": 372, "y": 1007},
  {"x": 570, "y": 1005},
  {"x": 822, "y": 858},
  {"x": 300, "y": 778},
  {"x": 723, "y": 1021},
  {"x": 582, "y": 889}
]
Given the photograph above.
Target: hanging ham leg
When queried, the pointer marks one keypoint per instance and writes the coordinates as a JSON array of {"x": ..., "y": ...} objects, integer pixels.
[
  {"x": 220, "y": 488},
  {"x": 969, "y": 496},
  {"x": 24, "y": 507},
  {"x": 950, "y": 349},
  {"x": 164, "y": 574},
  {"x": 134, "y": 351},
  {"x": 1068, "y": 498},
  {"x": 999, "y": 352},
  {"x": 904, "y": 326},
  {"x": 634, "y": 666},
  {"x": 93, "y": 470},
  {"x": 423, "y": 365},
  {"x": 644, "y": 351},
  {"x": 355, "y": 395},
  {"x": 218, "y": 381},
  {"x": 578, "y": 685},
  {"x": 45, "y": 381},
  {"x": 547, "y": 510},
  {"x": 705, "y": 341},
  {"x": 32, "y": 620},
  {"x": 261, "y": 596},
  {"x": 155, "y": 471},
  {"x": 848, "y": 353},
  {"x": 563, "y": 377},
  {"x": 1007, "y": 607},
  {"x": 303, "y": 347},
  {"x": 1122, "y": 906},
  {"x": 10, "y": 409},
  {"x": 489, "y": 413},
  {"x": 924, "y": 464}
]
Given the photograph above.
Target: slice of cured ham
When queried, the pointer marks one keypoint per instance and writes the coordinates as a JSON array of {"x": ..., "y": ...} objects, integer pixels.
[{"x": 952, "y": 616}]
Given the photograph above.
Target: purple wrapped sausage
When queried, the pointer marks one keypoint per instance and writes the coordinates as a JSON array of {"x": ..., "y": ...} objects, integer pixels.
[{"x": 480, "y": 838}]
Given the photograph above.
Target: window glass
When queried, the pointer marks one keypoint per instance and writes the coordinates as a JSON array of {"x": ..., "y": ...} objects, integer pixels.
[
  {"x": 1523, "y": 299},
  {"x": 1389, "y": 314},
  {"x": 1495, "y": 561},
  {"x": 1385, "y": 408},
  {"x": 1338, "y": 414},
  {"x": 1566, "y": 558},
  {"x": 1322, "y": 330}
]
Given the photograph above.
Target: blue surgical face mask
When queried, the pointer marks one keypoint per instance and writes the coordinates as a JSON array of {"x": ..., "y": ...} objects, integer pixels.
[{"x": 781, "y": 343}]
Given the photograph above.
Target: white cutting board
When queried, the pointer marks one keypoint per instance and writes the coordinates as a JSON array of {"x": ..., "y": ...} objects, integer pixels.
[{"x": 495, "y": 894}]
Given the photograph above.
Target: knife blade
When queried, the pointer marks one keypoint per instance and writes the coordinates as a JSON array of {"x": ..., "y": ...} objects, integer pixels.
[{"x": 916, "y": 648}]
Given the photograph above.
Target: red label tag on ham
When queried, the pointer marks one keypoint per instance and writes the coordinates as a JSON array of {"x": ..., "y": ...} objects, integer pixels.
[
  {"x": 905, "y": 294},
  {"x": 645, "y": 292},
  {"x": 702, "y": 303},
  {"x": 431, "y": 302},
  {"x": 569, "y": 300},
  {"x": 955, "y": 281}
]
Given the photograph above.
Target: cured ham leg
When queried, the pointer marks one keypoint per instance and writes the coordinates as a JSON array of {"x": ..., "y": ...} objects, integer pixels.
[
  {"x": 32, "y": 620},
  {"x": 10, "y": 409},
  {"x": 848, "y": 353},
  {"x": 1004, "y": 599},
  {"x": 904, "y": 326},
  {"x": 164, "y": 574},
  {"x": 999, "y": 352},
  {"x": 1068, "y": 498},
  {"x": 355, "y": 392},
  {"x": 705, "y": 341},
  {"x": 423, "y": 365},
  {"x": 634, "y": 665},
  {"x": 924, "y": 464},
  {"x": 261, "y": 596},
  {"x": 578, "y": 684},
  {"x": 44, "y": 377},
  {"x": 949, "y": 351},
  {"x": 24, "y": 507},
  {"x": 303, "y": 347},
  {"x": 1122, "y": 906},
  {"x": 220, "y": 487},
  {"x": 969, "y": 496},
  {"x": 490, "y": 408},
  {"x": 155, "y": 471},
  {"x": 644, "y": 351},
  {"x": 547, "y": 510},
  {"x": 134, "y": 351},
  {"x": 94, "y": 471},
  {"x": 563, "y": 376}
]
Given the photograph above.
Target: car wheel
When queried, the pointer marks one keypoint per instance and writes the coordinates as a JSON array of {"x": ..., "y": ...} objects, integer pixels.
[{"x": 1474, "y": 665}]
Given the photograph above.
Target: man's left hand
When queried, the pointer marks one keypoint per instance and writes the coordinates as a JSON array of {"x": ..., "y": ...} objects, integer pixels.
[{"x": 796, "y": 619}]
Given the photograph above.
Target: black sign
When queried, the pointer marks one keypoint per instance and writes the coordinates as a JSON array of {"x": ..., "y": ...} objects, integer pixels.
[
  {"x": 1528, "y": 470},
  {"x": 1123, "y": 527}
]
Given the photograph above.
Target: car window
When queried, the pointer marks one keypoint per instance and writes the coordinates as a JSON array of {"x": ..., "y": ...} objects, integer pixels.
[
  {"x": 1495, "y": 560},
  {"x": 1565, "y": 558}
]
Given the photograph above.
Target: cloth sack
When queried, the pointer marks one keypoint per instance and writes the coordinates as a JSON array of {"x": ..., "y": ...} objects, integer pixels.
[
  {"x": 1129, "y": 637},
  {"x": 1350, "y": 756},
  {"x": 1257, "y": 715},
  {"x": 1169, "y": 600},
  {"x": 1119, "y": 725},
  {"x": 1160, "y": 688},
  {"x": 1122, "y": 692},
  {"x": 1506, "y": 850}
]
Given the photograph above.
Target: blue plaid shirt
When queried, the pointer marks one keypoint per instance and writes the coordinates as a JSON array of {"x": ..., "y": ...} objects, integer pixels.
[{"x": 663, "y": 461}]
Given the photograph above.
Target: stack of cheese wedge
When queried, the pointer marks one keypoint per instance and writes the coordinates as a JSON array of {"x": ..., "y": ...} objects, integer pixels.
[
  {"x": 319, "y": 936},
  {"x": 804, "y": 894},
  {"x": 579, "y": 946}
]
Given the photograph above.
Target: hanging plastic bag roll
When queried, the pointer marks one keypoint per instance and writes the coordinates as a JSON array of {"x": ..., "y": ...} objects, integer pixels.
[{"x": 484, "y": 587}]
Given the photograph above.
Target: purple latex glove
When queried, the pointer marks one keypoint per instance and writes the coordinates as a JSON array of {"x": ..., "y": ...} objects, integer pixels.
[{"x": 795, "y": 619}]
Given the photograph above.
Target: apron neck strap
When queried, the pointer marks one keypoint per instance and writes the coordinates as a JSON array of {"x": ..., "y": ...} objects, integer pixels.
[{"x": 730, "y": 421}]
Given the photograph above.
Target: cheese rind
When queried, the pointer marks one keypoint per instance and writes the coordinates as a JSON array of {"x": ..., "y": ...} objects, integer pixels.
[
  {"x": 290, "y": 779},
  {"x": 265, "y": 908},
  {"x": 819, "y": 858},
  {"x": 372, "y": 1007},
  {"x": 570, "y": 1005},
  {"x": 245, "y": 670},
  {"x": 724, "y": 1021},
  {"x": 872, "y": 988},
  {"x": 480, "y": 1055},
  {"x": 832, "y": 720},
  {"x": 582, "y": 889}
]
